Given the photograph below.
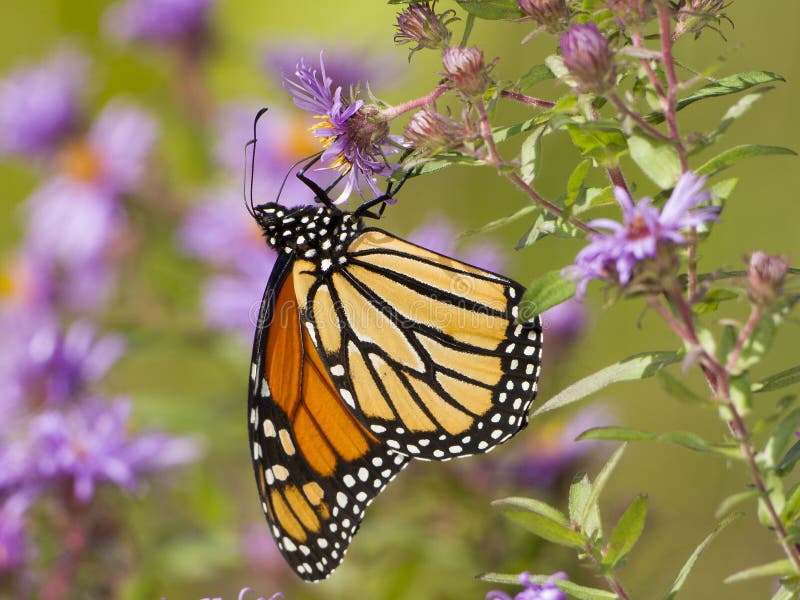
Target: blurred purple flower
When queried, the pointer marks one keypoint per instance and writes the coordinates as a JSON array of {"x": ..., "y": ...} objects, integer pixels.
[
  {"x": 354, "y": 134},
  {"x": 346, "y": 68},
  {"x": 534, "y": 591},
  {"x": 157, "y": 21},
  {"x": 564, "y": 323},
  {"x": 554, "y": 451},
  {"x": 51, "y": 367},
  {"x": 283, "y": 139},
  {"x": 89, "y": 444},
  {"x": 12, "y": 532},
  {"x": 39, "y": 104},
  {"x": 613, "y": 256},
  {"x": 262, "y": 554},
  {"x": 231, "y": 302},
  {"x": 437, "y": 234}
]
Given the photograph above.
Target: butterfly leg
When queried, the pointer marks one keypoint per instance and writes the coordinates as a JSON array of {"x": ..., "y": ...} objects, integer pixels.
[
  {"x": 321, "y": 194},
  {"x": 391, "y": 190}
]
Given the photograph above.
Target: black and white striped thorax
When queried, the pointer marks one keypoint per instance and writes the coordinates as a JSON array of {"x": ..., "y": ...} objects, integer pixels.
[{"x": 312, "y": 232}]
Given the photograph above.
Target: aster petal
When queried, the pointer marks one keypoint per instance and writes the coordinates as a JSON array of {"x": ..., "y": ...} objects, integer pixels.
[
  {"x": 688, "y": 193},
  {"x": 625, "y": 201}
]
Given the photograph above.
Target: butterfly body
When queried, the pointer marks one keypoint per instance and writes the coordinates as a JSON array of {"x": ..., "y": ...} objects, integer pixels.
[{"x": 369, "y": 352}]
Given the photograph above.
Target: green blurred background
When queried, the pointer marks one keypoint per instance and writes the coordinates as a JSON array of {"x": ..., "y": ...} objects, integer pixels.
[{"x": 431, "y": 532}]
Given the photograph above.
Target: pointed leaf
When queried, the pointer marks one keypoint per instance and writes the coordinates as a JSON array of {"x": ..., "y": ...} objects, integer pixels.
[
  {"x": 658, "y": 160},
  {"x": 777, "y": 568},
  {"x": 638, "y": 366},
  {"x": 547, "y": 529},
  {"x": 599, "y": 484},
  {"x": 784, "y": 432},
  {"x": 734, "y": 500},
  {"x": 626, "y": 533},
  {"x": 582, "y": 592},
  {"x": 502, "y": 222},
  {"x": 792, "y": 509},
  {"x": 778, "y": 380},
  {"x": 686, "y": 439},
  {"x": 602, "y": 142},
  {"x": 534, "y": 506},
  {"x": 733, "y": 155},
  {"x": 492, "y": 9},
  {"x": 788, "y": 461},
  {"x": 545, "y": 292},
  {"x": 679, "y": 390},
  {"x": 536, "y": 74},
  {"x": 530, "y": 156},
  {"x": 579, "y": 494},
  {"x": 687, "y": 568},
  {"x": 722, "y": 87},
  {"x": 504, "y": 578}
]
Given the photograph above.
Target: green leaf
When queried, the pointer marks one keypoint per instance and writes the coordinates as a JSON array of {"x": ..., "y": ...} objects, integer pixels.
[
  {"x": 638, "y": 366},
  {"x": 501, "y": 134},
  {"x": 784, "y": 432},
  {"x": 677, "y": 389},
  {"x": 720, "y": 193},
  {"x": 575, "y": 182},
  {"x": 536, "y": 74},
  {"x": 710, "y": 301},
  {"x": 734, "y": 500},
  {"x": 778, "y": 380},
  {"x": 626, "y": 533},
  {"x": 582, "y": 592},
  {"x": 502, "y": 222},
  {"x": 503, "y": 578},
  {"x": 740, "y": 393},
  {"x": 722, "y": 87},
  {"x": 602, "y": 142},
  {"x": 687, "y": 568},
  {"x": 597, "y": 487},
  {"x": 545, "y": 292},
  {"x": 547, "y": 529},
  {"x": 685, "y": 439},
  {"x": 658, "y": 160},
  {"x": 579, "y": 493},
  {"x": 733, "y": 155},
  {"x": 777, "y": 568},
  {"x": 785, "y": 593},
  {"x": 759, "y": 342},
  {"x": 792, "y": 509},
  {"x": 530, "y": 156},
  {"x": 534, "y": 506},
  {"x": 492, "y": 9},
  {"x": 788, "y": 462},
  {"x": 733, "y": 113}
]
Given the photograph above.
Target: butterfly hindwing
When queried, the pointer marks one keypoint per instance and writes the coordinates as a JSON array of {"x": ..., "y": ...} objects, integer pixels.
[
  {"x": 316, "y": 466},
  {"x": 426, "y": 351}
]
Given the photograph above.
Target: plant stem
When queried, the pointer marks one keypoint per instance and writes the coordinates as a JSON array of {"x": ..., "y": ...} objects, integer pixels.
[
  {"x": 638, "y": 42},
  {"x": 395, "y": 111},
  {"x": 617, "y": 178},
  {"x": 625, "y": 109},
  {"x": 718, "y": 380},
  {"x": 617, "y": 587},
  {"x": 670, "y": 110},
  {"x": 691, "y": 288},
  {"x": 488, "y": 138},
  {"x": 744, "y": 335},
  {"x": 527, "y": 99},
  {"x": 60, "y": 583}
]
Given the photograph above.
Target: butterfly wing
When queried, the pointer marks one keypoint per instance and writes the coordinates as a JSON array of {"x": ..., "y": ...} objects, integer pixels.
[
  {"x": 425, "y": 350},
  {"x": 316, "y": 466}
]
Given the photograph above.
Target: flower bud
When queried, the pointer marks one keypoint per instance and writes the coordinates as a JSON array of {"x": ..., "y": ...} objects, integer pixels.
[
  {"x": 588, "y": 58},
  {"x": 430, "y": 130},
  {"x": 466, "y": 70},
  {"x": 630, "y": 12},
  {"x": 695, "y": 15},
  {"x": 419, "y": 24},
  {"x": 766, "y": 274},
  {"x": 550, "y": 14}
]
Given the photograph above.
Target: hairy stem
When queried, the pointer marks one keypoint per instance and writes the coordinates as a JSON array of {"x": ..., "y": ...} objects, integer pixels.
[
  {"x": 395, "y": 111},
  {"x": 527, "y": 99},
  {"x": 639, "y": 119},
  {"x": 744, "y": 335},
  {"x": 670, "y": 109}
]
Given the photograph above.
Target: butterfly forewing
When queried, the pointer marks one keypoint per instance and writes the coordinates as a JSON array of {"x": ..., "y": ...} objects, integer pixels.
[
  {"x": 317, "y": 467},
  {"x": 427, "y": 352}
]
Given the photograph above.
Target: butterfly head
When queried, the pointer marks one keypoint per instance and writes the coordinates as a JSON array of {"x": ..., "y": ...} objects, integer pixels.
[{"x": 311, "y": 231}]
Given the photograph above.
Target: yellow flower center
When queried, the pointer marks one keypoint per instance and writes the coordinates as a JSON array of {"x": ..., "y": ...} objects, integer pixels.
[{"x": 80, "y": 162}]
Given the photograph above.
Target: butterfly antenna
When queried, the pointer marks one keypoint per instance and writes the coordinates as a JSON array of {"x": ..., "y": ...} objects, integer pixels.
[
  {"x": 248, "y": 201},
  {"x": 313, "y": 158}
]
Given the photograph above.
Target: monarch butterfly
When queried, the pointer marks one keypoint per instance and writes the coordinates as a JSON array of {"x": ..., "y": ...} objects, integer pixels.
[{"x": 369, "y": 352}]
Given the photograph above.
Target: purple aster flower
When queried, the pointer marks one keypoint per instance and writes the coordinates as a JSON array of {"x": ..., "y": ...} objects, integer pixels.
[
  {"x": 157, "y": 21},
  {"x": 89, "y": 445},
  {"x": 39, "y": 105},
  {"x": 41, "y": 365},
  {"x": 12, "y": 532},
  {"x": 614, "y": 256},
  {"x": 588, "y": 58},
  {"x": 346, "y": 67},
  {"x": 563, "y": 325},
  {"x": 355, "y": 135},
  {"x": 534, "y": 591},
  {"x": 438, "y": 235},
  {"x": 121, "y": 141}
]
